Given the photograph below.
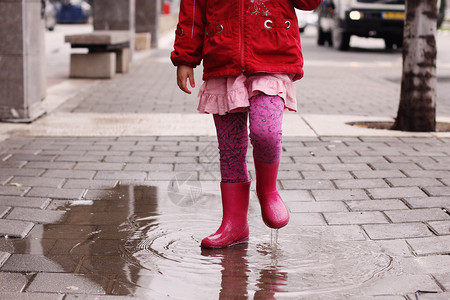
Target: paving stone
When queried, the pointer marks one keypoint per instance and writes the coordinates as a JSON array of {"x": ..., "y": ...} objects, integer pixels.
[
  {"x": 26, "y": 245},
  {"x": 37, "y": 181},
  {"x": 444, "y": 280},
  {"x": 378, "y": 174},
  {"x": 127, "y": 159},
  {"x": 36, "y": 215},
  {"x": 427, "y": 174},
  {"x": 438, "y": 190},
  {"x": 21, "y": 172},
  {"x": 396, "y": 231},
  {"x": 13, "y": 228},
  {"x": 11, "y": 282},
  {"x": 361, "y": 183},
  {"x": 306, "y": 219},
  {"x": 428, "y": 202},
  {"x": 13, "y": 190},
  {"x": 80, "y": 158},
  {"x": 436, "y": 264},
  {"x": 90, "y": 184},
  {"x": 79, "y": 174},
  {"x": 352, "y": 194},
  {"x": 49, "y": 165},
  {"x": 120, "y": 175},
  {"x": 397, "y": 248},
  {"x": 441, "y": 227},
  {"x": 380, "y": 205},
  {"x": 396, "y": 192},
  {"x": 422, "y": 182},
  {"x": 306, "y": 184},
  {"x": 323, "y": 206},
  {"x": 431, "y": 245},
  {"x": 149, "y": 167},
  {"x": 103, "y": 166},
  {"x": 295, "y": 195},
  {"x": 346, "y": 167},
  {"x": 62, "y": 231},
  {"x": 56, "y": 193},
  {"x": 395, "y": 166},
  {"x": 402, "y": 284},
  {"x": 29, "y": 296},
  {"x": 316, "y": 159},
  {"x": 348, "y": 218},
  {"x": 24, "y": 201},
  {"x": 336, "y": 233},
  {"x": 69, "y": 284},
  {"x": 431, "y": 296},
  {"x": 417, "y": 215},
  {"x": 40, "y": 263},
  {"x": 327, "y": 175}
]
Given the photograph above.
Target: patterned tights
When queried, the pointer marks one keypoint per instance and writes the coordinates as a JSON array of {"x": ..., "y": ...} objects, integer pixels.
[{"x": 265, "y": 114}]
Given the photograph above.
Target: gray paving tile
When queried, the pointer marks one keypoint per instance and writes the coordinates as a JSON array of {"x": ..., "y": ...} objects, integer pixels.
[
  {"x": 37, "y": 181},
  {"x": 396, "y": 231},
  {"x": 361, "y": 183},
  {"x": 351, "y": 194},
  {"x": 24, "y": 201},
  {"x": 435, "y": 264},
  {"x": 444, "y": 280},
  {"x": 438, "y": 190},
  {"x": 327, "y": 175},
  {"x": 11, "y": 282},
  {"x": 69, "y": 284},
  {"x": 441, "y": 227},
  {"x": 348, "y": 218},
  {"x": 424, "y": 202},
  {"x": 294, "y": 195},
  {"x": 422, "y": 182},
  {"x": 56, "y": 193},
  {"x": 40, "y": 263},
  {"x": 306, "y": 184},
  {"x": 306, "y": 219},
  {"x": 29, "y": 296},
  {"x": 396, "y": 192},
  {"x": 417, "y": 215},
  {"x": 431, "y": 245},
  {"x": 379, "y": 204},
  {"x": 13, "y": 228},
  {"x": 36, "y": 215},
  {"x": 322, "y": 206},
  {"x": 402, "y": 284}
]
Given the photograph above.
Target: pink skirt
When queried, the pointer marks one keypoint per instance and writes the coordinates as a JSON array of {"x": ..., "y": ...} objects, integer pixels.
[{"x": 231, "y": 94}]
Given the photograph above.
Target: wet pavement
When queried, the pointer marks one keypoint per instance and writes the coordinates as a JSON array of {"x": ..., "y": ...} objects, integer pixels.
[{"x": 117, "y": 214}]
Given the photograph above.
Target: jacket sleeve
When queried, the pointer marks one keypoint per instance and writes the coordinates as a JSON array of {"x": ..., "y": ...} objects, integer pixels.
[
  {"x": 306, "y": 4},
  {"x": 189, "y": 34}
]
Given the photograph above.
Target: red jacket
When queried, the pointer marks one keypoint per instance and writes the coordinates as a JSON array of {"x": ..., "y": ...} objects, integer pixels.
[{"x": 240, "y": 36}]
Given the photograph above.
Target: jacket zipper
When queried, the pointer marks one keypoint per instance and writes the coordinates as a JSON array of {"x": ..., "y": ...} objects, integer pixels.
[{"x": 241, "y": 41}]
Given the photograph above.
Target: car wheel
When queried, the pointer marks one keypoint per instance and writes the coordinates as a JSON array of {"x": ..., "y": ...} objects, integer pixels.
[{"x": 321, "y": 37}]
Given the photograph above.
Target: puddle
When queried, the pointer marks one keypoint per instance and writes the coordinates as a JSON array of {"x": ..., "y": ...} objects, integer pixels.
[{"x": 148, "y": 247}]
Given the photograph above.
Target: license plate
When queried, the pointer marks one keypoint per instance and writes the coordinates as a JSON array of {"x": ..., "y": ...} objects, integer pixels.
[{"x": 391, "y": 15}]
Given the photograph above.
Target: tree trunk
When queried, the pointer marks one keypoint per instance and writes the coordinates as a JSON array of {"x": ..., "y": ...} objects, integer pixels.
[{"x": 417, "y": 108}]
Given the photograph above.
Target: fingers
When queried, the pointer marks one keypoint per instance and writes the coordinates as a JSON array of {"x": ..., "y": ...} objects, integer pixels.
[{"x": 185, "y": 73}]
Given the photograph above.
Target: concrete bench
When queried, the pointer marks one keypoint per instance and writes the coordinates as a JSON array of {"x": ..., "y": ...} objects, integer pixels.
[{"x": 109, "y": 52}]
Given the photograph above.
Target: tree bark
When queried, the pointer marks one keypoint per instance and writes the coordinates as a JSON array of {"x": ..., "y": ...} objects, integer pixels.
[{"x": 417, "y": 108}]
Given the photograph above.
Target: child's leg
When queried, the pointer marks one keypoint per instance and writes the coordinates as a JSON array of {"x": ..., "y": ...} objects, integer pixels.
[
  {"x": 233, "y": 143},
  {"x": 266, "y": 114},
  {"x": 235, "y": 186}
]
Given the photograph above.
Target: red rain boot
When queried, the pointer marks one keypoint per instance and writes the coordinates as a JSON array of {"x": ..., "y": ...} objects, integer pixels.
[
  {"x": 274, "y": 212},
  {"x": 234, "y": 227}
]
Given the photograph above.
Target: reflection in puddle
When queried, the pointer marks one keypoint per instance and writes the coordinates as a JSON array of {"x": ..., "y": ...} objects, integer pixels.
[{"x": 148, "y": 247}]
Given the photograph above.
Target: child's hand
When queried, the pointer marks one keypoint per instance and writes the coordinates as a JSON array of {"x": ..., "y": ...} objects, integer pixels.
[{"x": 183, "y": 73}]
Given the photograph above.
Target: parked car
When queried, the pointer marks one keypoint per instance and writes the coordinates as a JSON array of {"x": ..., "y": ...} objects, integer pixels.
[
  {"x": 340, "y": 19},
  {"x": 49, "y": 15},
  {"x": 306, "y": 18},
  {"x": 73, "y": 11}
]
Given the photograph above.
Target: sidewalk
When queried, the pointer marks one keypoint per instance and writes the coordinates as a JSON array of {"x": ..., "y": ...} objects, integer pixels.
[{"x": 109, "y": 195}]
